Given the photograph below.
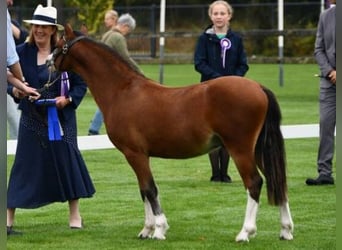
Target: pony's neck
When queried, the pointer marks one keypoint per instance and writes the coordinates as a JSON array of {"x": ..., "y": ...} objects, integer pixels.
[{"x": 104, "y": 73}]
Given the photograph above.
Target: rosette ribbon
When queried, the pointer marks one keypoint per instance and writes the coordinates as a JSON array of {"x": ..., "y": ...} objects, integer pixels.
[
  {"x": 65, "y": 84},
  {"x": 225, "y": 45},
  {"x": 54, "y": 128}
]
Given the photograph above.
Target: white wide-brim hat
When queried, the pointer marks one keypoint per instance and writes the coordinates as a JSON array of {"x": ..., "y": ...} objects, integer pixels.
[{"x": 45, "y": 16}]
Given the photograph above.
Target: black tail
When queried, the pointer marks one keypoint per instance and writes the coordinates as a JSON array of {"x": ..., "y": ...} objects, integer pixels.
[{"x": 270, "y": 153}]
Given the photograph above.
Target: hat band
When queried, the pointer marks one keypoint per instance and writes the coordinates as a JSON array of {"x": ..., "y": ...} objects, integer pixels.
[{"x": 44, "y": 18}]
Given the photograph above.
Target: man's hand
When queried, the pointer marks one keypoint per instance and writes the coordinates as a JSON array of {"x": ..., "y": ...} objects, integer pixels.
[
  {"x": 332, "y": 76},
  {"x": 26, "y": 91}
]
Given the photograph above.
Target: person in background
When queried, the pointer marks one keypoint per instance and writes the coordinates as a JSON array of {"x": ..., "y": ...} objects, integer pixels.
[
  {"x": 19, "y": 33},
  {"x": 48, "y": 166},
  {"x": 110, "y": 21},
  {"x": 16, "y": 78},
  {"x": 325, "y": 54},
  {"x": 13, "y": 64},
  {"x": 220, "y": 52},
  {"x": 13, "y": 114},
  {"x": 84, "y": 29}
]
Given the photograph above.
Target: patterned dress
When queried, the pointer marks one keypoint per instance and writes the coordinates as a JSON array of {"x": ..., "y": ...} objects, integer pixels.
[{"x": 44, "y": 170}]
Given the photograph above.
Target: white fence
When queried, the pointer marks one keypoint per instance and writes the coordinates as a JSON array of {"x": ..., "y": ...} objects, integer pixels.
[{"x": 95, "y": 142}]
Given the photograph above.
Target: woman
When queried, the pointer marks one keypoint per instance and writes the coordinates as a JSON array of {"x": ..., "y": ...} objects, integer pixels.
[
  {"x": 48, "y": 166},
  {"x": 220, "y": 52}
]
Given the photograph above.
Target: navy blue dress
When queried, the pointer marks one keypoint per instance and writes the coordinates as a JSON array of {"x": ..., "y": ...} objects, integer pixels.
[{"x": 47, "y": 171}]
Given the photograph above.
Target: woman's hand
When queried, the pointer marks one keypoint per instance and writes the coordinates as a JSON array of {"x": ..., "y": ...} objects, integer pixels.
[{"x": 62, "y": 101}]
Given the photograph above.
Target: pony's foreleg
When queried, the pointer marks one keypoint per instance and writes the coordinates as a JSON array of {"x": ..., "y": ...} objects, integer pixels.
[
  {"x": 155, "y": 226},
  {"x": 249, "y": 227},
  {"x": 161, "y": 227},
  {"x": 286, "y": 222},
  {"x": 155, "y": 221},
  {"x": 150, "y": 222},
  {"x": 151, "y": 197}
]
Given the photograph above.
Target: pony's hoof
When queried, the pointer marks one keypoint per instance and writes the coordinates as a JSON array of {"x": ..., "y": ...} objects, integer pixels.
[
  {"x": 146, "y": 233},
  {"x": 244, "y": 235},
  {"x": 160, "y": 231},
  {"x": 144, "y": 237},
  {"x": 285, "y": 235},
  {"x": 158, "y": 236}
]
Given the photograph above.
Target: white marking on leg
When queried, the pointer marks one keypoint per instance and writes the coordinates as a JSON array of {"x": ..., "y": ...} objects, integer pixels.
[
  {"x": 161, "y": 227},
  {"x": 149, "y": 226},
  {"x": 249, "y": 226},
  {"x": 286, "y": 222}
]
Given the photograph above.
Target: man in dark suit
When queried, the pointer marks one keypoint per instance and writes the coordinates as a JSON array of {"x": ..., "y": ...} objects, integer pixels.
[{"x": 325, "y": 54}]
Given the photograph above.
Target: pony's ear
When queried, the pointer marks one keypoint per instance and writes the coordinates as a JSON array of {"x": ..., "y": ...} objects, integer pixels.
[{"x": 68, "y": 30}]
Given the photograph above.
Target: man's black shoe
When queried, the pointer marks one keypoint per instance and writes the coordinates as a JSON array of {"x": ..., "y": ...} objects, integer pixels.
[
  {"x": 92, "y": 132},
  {"x": 321, "y": 180},
  {"x": 10, "y": 231}
]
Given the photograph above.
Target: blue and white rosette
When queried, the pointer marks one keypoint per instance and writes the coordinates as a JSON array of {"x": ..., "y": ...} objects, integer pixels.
[{"x": 225, "y": 45}]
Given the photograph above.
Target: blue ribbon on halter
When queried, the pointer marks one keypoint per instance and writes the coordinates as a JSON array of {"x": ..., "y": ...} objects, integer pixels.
[
  {"x": 225, "y": 45},
  {"x": 53, "y": 122}
]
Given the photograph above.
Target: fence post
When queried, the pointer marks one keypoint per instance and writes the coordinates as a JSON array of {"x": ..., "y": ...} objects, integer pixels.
[{"x": 153, "y": 31}]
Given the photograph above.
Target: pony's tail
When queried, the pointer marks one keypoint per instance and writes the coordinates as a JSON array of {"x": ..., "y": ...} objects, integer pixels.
[{"x": 270, "y": 153}]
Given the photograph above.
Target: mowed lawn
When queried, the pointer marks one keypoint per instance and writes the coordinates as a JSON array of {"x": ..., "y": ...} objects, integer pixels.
[{"x": 201, "y": 214}]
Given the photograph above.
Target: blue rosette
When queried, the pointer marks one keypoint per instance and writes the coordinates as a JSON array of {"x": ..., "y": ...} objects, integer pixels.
[{"x": 54, "y": 128}]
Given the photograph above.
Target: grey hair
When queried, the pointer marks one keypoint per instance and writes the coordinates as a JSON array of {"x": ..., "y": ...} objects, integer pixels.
[{"x": 127, "y": 19}]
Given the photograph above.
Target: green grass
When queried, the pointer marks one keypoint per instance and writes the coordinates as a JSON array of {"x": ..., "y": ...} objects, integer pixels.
[{"x": 201, "y": 214}]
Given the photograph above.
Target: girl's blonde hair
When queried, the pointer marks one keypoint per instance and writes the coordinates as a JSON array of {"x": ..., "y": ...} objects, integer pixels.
[{"x": 227, "y": 5}]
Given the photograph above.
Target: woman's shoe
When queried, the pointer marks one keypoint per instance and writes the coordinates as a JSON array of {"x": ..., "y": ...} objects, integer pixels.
[
  {"x": 226, "y": 179},
  {"x": 77, "y": 227},
  {"x": 10, "y": 231}
]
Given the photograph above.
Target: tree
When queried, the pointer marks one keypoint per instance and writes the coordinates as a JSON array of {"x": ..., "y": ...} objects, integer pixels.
[{"x": 91, "y": 12}]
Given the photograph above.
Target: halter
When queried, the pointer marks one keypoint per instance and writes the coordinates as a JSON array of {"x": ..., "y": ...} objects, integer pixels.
[
  {"x": 64, "y": 50},
  {"x": 55, "y": 54},
  {"x": 48, "y": 83}
]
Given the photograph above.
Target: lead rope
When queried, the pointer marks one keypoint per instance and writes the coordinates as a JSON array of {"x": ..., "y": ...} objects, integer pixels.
[{"x": 48, "y": 83}]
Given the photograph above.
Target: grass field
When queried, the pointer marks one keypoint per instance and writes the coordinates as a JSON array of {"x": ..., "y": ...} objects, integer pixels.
[{"x": 202, "y": 215}]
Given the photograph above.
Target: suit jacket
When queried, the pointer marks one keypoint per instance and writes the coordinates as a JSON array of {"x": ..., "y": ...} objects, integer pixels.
[{"x": 325, "y": 45}]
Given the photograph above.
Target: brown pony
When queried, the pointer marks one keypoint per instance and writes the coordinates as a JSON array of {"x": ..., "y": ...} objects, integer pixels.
[{"x": 144, "y": 118}]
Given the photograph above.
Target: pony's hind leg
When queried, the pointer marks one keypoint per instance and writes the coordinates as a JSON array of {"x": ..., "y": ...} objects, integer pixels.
[
  {"x": 286, "y": 222},
  {"x": 249, "y": 227},
  {"x": 253, "y": 183}
]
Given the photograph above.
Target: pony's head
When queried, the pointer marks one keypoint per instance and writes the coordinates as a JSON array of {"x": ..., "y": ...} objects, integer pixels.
[{"x": 58, "y": 59}]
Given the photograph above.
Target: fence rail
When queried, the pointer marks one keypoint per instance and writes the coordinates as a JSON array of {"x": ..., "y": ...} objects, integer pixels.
[{"x": 97, "y": 142}]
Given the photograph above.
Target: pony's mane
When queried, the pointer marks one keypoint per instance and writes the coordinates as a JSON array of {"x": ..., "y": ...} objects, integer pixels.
[{"x": 111, "y": 50}]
